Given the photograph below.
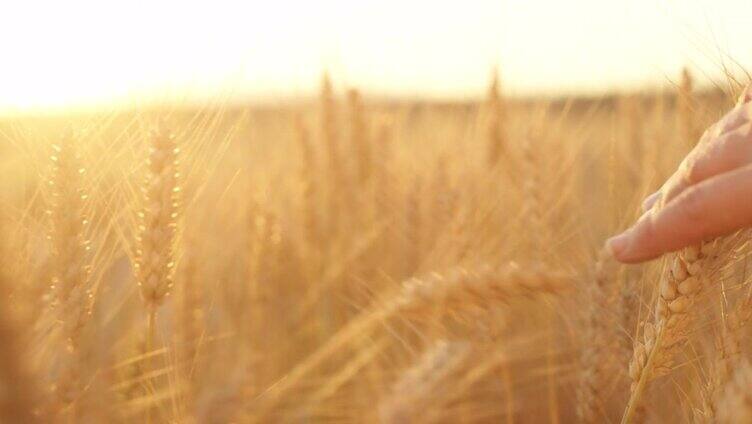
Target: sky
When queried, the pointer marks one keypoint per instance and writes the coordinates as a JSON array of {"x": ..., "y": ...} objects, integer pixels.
[{"x": 78, "y": 53}]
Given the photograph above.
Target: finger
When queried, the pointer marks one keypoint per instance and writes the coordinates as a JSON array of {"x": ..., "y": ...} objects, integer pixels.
[
  {"x": 741, "y": 114},
  {"x": 730, "y": 151},
  {"x": 713, "y": 208},
  {"x": 651, "y": 200},
  {"x": 677, "y": 181},
  {"x": 621, "y": 244},
  {"x": 738, "y": 116}
]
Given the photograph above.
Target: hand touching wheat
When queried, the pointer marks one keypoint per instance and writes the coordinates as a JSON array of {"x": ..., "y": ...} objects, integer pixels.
[{"x": 708, "y": 196}]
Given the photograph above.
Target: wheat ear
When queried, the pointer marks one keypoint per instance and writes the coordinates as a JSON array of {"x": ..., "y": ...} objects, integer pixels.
[
  {"x": 663, "y": 338},
  {"x": 687, "y": 109},
  {"x": 333, "y": 165},
  {"x": 595, "y": 351},
  {"x": 464, "y": 290},
  {"x": 70, "y": 273},
  {"x": 155, "y": 259},
  {"x": 495, "y": 125}
]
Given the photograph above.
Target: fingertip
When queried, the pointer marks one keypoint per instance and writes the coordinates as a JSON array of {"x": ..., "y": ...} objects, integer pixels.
[
  {"x": 639, "y": 243},
  {"x": 617, "y": 245}
]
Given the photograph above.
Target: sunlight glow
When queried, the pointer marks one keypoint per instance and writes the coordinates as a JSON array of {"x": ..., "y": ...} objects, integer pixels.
[{"x": 62, "y": 54}]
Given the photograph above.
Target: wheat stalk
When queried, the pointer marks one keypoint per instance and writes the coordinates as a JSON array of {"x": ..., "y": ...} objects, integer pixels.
[{"x": 190, "y": 334}]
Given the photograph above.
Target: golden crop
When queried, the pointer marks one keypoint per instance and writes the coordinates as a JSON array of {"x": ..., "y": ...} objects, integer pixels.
[{"x": 362, "y": 260}]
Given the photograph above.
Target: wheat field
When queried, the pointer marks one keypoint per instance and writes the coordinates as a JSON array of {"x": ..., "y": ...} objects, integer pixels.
[{"x": 349, "y": 259}]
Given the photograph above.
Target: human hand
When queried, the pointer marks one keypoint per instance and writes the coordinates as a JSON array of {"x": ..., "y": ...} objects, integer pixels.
[{"x": 710, "y": 195}]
